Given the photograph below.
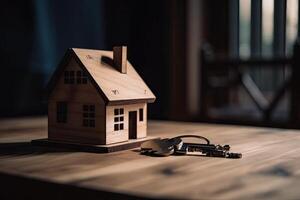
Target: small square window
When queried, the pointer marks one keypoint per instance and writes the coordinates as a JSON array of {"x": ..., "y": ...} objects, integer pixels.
[
  {"x": 88, "y": 115},
  {"x": 92, "y": 108},
  {"x": 72, "y": 77},
  {"x": 92, "y": 123},
  {"x": 116, "y": 126},
  {"x": 119, "y": 119},
  {"x": 81, "y": 77},
  {"x": 85, "y": 108},
  {"x": 72, "y": 73},
  {"x": 85, "y": 122},
  {"x": 66, "y": 77}
]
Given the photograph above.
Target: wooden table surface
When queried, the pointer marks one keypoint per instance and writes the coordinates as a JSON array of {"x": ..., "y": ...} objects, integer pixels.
[{"x": 269, "y": 169}]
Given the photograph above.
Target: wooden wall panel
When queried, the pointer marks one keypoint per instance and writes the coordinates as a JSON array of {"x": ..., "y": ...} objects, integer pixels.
[
  {"x": 74, "y": 118},
  {"x": 122, "y": 135},
  {"x": 76, "y": 95},
  {"x": 75, "y": 135}
]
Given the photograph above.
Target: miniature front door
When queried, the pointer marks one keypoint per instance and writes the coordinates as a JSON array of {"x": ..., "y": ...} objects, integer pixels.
[{"x": 132, "y": 126}]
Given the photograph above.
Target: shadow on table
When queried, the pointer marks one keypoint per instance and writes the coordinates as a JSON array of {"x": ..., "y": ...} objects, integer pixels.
[{"x": 26, "y": 148}]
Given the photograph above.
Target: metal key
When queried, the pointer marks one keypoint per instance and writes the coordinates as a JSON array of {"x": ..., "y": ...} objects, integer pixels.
[
  {"x": 207, "y": 149},
  {"x": 166, "y": 147},
  {"x": 160, "y": 147}
]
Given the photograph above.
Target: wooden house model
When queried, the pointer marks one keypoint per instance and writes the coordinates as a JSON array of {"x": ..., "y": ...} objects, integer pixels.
[{"x": 96, "y": 97}]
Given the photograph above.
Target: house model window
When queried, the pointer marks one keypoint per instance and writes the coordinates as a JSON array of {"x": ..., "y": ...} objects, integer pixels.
[
  {"x": 119, "y": 119},
  {"x": 81, "y": 77},
  {"x": 141, "y": 114},
  {"x": 61, "y": 112},
  {"x": 88, "y": 115},
  {"x": 69, "y": 77}
]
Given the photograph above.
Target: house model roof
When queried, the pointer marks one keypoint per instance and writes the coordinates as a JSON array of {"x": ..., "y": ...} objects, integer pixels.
[{"x": 114, "y": 86}]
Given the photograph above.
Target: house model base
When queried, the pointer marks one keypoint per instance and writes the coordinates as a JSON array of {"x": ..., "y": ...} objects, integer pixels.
[{"x": 131, "y": 144}]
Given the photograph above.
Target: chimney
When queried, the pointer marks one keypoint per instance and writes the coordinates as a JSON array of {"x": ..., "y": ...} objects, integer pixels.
[{"x": 120, "y": 58}]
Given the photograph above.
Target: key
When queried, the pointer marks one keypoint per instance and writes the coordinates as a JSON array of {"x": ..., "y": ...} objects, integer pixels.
[
  {"x": 166, "y": 147},
  {"x": 160, "y": 147},
  {"x": 207, "y": 149}
]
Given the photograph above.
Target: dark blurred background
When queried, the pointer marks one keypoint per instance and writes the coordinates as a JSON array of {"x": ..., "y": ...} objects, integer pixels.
[{"x": 165, "y": 39}]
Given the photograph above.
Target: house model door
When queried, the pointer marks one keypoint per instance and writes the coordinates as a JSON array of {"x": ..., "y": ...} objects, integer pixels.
[{"x": 132, "y": 125}]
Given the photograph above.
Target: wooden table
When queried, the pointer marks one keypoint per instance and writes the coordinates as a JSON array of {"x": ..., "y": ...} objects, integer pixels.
[{"x": 269, "y": 169}]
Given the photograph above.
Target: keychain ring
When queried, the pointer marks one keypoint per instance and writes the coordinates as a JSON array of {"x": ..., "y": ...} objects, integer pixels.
[{"x": 193, "y": 136}]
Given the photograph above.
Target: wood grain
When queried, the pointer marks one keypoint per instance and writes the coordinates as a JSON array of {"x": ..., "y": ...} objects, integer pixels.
[
  {"x": 129, "y": 86},
  {"x": 269, "y": 169}
]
